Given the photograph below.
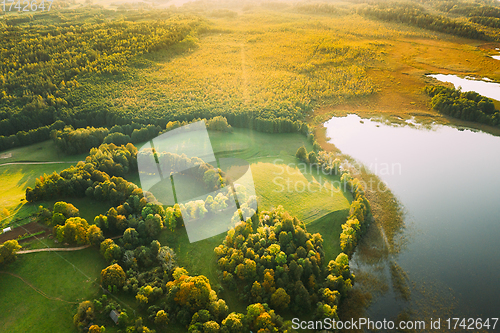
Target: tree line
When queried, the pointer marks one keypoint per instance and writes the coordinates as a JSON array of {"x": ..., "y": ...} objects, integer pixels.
[
  {"x": 469, "y": 105},
  {"x": 359, "y": 210},
  {"x": 487, "y": 21},
  {"x": 468, "y": 9},
  {"x": 100, "y": 175},
  {"x": 358, "y": 218},
  {"x": 416, "y": 15},
  {"x": 30, "y": 137},
  {"x": 75, "y": 141}
]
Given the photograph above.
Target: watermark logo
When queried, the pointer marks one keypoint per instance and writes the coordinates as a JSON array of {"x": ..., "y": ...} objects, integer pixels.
[
  {"x": 301, "y": 177},
  {"x": 180, "y": 167}
]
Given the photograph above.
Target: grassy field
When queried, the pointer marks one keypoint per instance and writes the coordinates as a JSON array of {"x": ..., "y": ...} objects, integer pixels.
[
  {"x": 260, "y": 61},
  {"x": 45, "y": 151},
  {"x": 272, "y": 161},
  {"x": 15, "y": 177},
  {"x": 307, "y": 195},
  {"x": 61, "y": 280},
  {"x": 278, "y": 176}
]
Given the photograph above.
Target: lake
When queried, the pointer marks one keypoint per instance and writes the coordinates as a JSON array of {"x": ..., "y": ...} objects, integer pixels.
[
  {"x": 497, "y": 57},
  {"x": 488, "y": 89},
  {"x": 449, "y": 183}
]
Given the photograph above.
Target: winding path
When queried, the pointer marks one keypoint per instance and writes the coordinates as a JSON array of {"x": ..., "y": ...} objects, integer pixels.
[
  {"x": 54, "y": 249},
  {"x": 27, "y": 163},
  {"x": 59, "y": 249}
]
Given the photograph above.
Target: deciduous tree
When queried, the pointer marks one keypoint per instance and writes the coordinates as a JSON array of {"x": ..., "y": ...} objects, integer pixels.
[{"x": 113, "y": 276}]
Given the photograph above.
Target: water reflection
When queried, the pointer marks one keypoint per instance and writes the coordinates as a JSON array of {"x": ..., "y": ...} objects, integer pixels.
[
  {"x": 497, "y": 57},
  {"x": 449, "y": 183},
  {"x": 488, "y": 89}
]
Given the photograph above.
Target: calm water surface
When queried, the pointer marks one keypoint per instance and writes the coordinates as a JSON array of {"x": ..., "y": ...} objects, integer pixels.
[
  {"x": 497, "y": 57},
  {"x": 449, "y": 182},
  {"x": 483, "y": 87}
]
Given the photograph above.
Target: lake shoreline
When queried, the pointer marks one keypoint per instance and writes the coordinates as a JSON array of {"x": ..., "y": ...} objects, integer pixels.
[{"x": 437, "y": 214}]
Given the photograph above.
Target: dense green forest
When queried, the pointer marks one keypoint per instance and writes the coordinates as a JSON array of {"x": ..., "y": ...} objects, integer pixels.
[
  {"x": 468, "y": 105},
  {"x": 418, "y": 15},
  {"x": 43, "y": 63},
  {"x": 81, "y": 140},
  {"x": 281, "y": 264}
]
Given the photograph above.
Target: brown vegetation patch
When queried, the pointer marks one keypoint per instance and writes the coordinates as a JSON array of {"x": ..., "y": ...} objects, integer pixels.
[
  {"x": 400, "y": 78},
  {"x": 30, "y": 228}
]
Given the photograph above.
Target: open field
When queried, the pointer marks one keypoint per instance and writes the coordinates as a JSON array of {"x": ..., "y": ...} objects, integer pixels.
[
  {"x": 307, "y": 195},
  {"x": 336, "y": 64},
  {"x": 16, "y": 177},
  {"x": 59, "y": 281},
  {"x": 45, "y": 151},
  {"x": 279, "y": 178},
  {"x": 247, "y": 64}
]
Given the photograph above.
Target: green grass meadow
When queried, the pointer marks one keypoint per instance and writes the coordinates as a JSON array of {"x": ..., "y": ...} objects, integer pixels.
[
  {"x": 70, "y": 276},
  {"x": 279, "y": 178},
  {"x": 309, "y": 195},
  {"x": 15, "y": 178},
  {"x": 45, "y": 151}
]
